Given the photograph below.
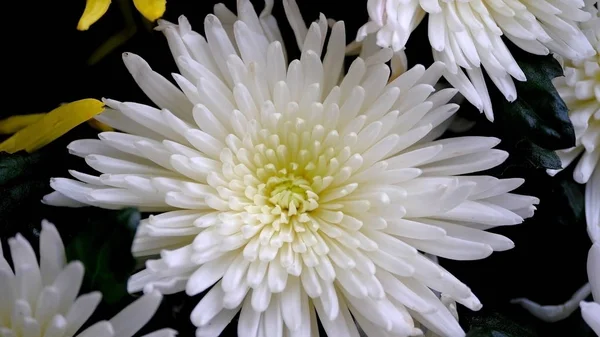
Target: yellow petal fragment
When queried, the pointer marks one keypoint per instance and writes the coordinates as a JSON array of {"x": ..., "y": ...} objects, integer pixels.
[
  {"x": 94, "y": 10},
  {"x": 151, "y": 9},
  {"x": 15, "y": 123},
  {"x": 98, "y": 125},
  {"x": 52, "y": 125}
]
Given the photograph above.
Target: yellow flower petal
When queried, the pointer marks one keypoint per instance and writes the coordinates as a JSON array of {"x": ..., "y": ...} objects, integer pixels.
[
  {"x": 15, "y": 123},
  {"x": 151, "y": 9},
  {"x": 52, "y": 125},
  {"x": 94, "y": 9}
]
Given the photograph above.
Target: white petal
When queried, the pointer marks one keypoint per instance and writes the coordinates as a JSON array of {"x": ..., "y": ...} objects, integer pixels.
[
  {"x": 591, "y": 314},
  {"x": 102, "y": 328},
  {"x": 593, "y": 268},
  {"x": 131, "y": 319},
  {"x": 208, "y": 274},
  {"x": 592, "y": 206},
  {"x": 52, "y": 253},
  {"x": 80, "y": 311}
]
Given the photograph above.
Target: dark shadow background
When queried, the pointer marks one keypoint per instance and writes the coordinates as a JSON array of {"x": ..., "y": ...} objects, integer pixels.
[{"x": 45, "y": 64}]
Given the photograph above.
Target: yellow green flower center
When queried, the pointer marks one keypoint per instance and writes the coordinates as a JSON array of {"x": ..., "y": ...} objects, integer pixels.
[{"x": 291, "y": 193}]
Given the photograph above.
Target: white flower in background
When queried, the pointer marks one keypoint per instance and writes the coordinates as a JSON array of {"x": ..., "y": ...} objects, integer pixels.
[
  {"x": 41, "y": 299},
  {"x": 289, "y": 190},
  {"x": 580, "y": 89},
  {"x": 468, "y": 34}
]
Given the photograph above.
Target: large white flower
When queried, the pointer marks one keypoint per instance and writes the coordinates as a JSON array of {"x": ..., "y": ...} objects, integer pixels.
[
  {"x": 291, "y": 191},
  {"x": 41, "y": 299},
  {"x": 468, "y": 34}
]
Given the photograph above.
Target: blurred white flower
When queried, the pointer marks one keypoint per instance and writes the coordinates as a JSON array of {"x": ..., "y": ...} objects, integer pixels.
[{"x": 41, "y": 299}]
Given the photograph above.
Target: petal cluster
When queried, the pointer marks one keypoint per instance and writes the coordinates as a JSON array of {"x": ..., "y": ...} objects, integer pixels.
[
  {"x": 580, "y": 89},
  {"x": 40, "y": 299},
  {"x": 288, "y": 190},
  {"x": 469, "y": 35}
]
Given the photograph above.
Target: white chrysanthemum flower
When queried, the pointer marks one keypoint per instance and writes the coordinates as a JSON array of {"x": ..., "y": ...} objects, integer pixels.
[
  {"x": 291, "y": 191},
  {"x": 580, "y": 89},
  {"x": 41, "y": 299},
  {"x": 591, "y": 310},
  {"x": 468, "y": 34}
]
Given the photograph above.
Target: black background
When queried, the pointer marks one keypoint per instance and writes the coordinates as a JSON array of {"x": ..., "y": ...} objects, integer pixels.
[{"x": 45, "y": 64}]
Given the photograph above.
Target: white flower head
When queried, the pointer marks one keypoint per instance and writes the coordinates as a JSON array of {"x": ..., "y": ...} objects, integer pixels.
[
  {"x": 291, "y": 191},
  {"x": 468, "y": 34},
  {"x": 580, "y": 89},
  {"x": 40, "y": 299}
]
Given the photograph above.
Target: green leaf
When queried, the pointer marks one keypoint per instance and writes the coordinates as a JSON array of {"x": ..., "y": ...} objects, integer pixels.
[
  {"x": 537, "y": 156},
  {"x": 19, "y": 165},
  {"x": 538, "y": 114},
  {"x": 25, "y": 178},
  {"x": 566, "y": 197},
  {"x": 497, "y": 325},
  {"x": 23, "y": 182},
  {"x": 570, "y": 194},
  {"x": 104, "y": 247}
]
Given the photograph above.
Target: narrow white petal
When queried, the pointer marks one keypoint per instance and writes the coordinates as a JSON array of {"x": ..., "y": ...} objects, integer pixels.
[
  {"x": 127, "y": 322},
  {"x": 593, "y": 269},
  {"x": 52, "y": 253},
  {"x": 592, "y": 206},
  {"x": 80, "y": 311},
  {"x": 591, "y": 314}
]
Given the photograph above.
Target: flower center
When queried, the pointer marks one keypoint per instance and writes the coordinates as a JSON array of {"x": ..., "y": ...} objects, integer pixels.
[
  {"x": 291, "y": 194},
  {"x": 281, "y": 215}
]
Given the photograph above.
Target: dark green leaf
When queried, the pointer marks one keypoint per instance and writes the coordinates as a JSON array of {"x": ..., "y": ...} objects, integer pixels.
[
  {"x": 104, "y": 247},
  {"x": 566, "y": 198},
  {"x": 571, "y": 196},
  {"x": 497, "y": 325},
  {"x": 15, "y": 195},
  {"x": 537, "y": 156},
  {"x": 23, "y": 182},
  {"x": 538, "y": 114},
  {"x": 20, "y": 164}
]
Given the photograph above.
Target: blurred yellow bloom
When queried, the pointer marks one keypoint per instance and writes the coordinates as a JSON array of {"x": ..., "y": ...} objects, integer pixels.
[
  {"x": 38, "y": 130},
  {"x": 95, "y": 9},
  {"x": 16, "y": 123}
]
